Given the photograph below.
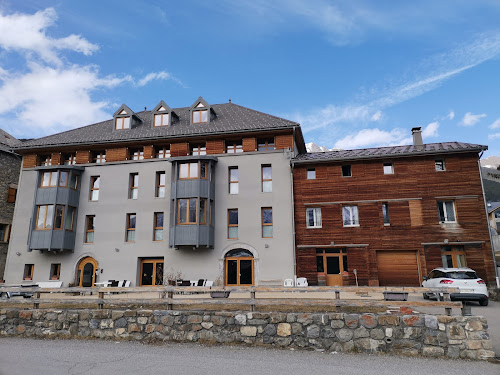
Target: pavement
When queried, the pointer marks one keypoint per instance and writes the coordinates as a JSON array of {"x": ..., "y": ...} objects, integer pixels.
[{"x": 93, "y": 357}]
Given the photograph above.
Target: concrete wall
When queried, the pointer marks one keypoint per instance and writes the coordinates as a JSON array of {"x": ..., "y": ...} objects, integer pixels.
[
  {"x": 10, "y": 165},
  {"x": 410, "y": 335},
  {"x": 273, "y": 257}
]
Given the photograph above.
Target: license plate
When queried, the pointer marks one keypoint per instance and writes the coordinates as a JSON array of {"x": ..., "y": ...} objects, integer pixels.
[{"x": 466, "y": 290}]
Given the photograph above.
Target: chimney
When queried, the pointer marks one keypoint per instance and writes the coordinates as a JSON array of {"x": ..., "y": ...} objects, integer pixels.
[{"x": 417, "y": 138}]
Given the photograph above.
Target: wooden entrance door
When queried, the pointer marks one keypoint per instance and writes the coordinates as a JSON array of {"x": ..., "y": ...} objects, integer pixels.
[
  {"x": 86, "y": 272},
  {"x": 332, "y": 262},
  {"x": 239, "y": 268},
  {"x": 151, "y": 272}
]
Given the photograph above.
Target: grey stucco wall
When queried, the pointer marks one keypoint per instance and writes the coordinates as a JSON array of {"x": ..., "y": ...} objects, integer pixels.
[
  {"x": 9, "y": 173},
  {"x": 273, "y": 262}
]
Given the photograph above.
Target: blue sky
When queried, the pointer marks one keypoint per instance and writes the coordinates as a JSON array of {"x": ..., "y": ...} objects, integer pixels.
[{"x": 354, "y": 73}]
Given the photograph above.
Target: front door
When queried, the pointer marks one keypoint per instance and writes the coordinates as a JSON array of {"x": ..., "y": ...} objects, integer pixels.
[
  {"x": 239, "y": 268},
  {"x": 86, "y": 272},
  {"x": 151, "y": 272},
  {"x": 333, "y": 263}
]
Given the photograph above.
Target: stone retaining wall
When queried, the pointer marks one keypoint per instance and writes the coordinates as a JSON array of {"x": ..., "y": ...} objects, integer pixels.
[{"x": 412, "y": 335}]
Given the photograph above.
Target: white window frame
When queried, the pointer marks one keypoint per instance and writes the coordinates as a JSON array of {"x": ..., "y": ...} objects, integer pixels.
[
  {"x": 388, "y": 168},
  {"x": 442, "y": 204},
  {"x": 316, "y": 217},
  {"x": 353, "y": 216}
]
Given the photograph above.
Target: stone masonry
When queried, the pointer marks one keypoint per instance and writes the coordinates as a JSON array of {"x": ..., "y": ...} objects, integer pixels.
[{"x": 410, "y": 335}]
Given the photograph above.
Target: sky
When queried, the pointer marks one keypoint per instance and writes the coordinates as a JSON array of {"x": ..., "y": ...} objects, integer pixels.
[{"x": 353, "y": 73}]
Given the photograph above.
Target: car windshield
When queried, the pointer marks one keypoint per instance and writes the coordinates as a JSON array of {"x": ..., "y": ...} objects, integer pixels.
[{"x": 461, "y": 275}]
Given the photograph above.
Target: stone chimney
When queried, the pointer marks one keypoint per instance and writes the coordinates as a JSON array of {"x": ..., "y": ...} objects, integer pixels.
[{"x": 417, "y": 138}]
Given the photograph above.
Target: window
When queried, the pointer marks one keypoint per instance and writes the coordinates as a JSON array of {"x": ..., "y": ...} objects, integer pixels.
[
  {"x": 69, "y": 159},
  {"x": 28, "y": 271},
  {"x": 233, "y": 180},
  {"x": 55, "y": 271},
  {"x": 267, "y": 222},
  {"x": 186, "y": 210},
  {"x": 131, "y": 222},
  {"x": 385, "y": 213},
  {"x": 203, "y": 211},
  {"x": 134, "y": 186},
  {"x": 265, "y": 144},
  {"x": 89, "y": 229},
  {"x": 311, "y": 173},
  {"x": 48, "y": 179},
  {"x": 137, "y": 154},
  {"x": 99, "y": 157},
  {"x": 160, "y": 185},
  {"x": 350, "y": 216},
  {"x": 4, "y": 232},
  {"x": 203, "y": 170},
  {"x": 122, "y": 123},
  {"x": 95, "y": 181},
  {"x": 388, "y": 168},
  {"x": 44, "y": 217},
  {"x": 232, "y": 224},
  {"x": 59, "y": 217},
  {"x": 446, "y": 211},
  {"x": 200, "y": 116},
  {"x": 162, "y": 152},
  {"x": 234, "y": 147},
  {"x": 198, "y": 150},
  {"x": 453, "y": 256},
  {"x": 70, "y": 218},
  {"x": 439, "y": 165},
  {"x": 73, "y": 181},
  {"x": 188, "y": 171},
  {"x": 313, "y": 217},
  {"x": 63, "y": 178},
  {"x": 162, "y": 119},
  {"x": 44, "y": 160},
  {"x": 11, "y": 195},
  {"x": 158, "y": 228},
  {"x": 346, "y": 171},
  {"x": 267, "y": 179}
]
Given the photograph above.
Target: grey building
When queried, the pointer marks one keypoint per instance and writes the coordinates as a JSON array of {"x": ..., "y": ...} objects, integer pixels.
[
  {"x": 10, "y": 164},
  {"x": 201, "y": 192}
]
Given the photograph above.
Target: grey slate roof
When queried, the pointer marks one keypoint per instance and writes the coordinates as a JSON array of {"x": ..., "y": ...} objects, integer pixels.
[
  {"x": 492, "y": 206},
  {"x": 389, "y": 152},
  {"x": 231, "y": 118},
  {"x": 7, "y": 141}
]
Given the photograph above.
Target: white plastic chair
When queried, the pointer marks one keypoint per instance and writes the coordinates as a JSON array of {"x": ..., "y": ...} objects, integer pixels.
[
  {"x": 193, "y": 282},
  {"x": 288, "y": 282},
  {"x": 127, "y": 284},
  {"x": 208, "y": 283},
  {"x": 302, "y": 281},
  {"x": 120, "y": 283}
]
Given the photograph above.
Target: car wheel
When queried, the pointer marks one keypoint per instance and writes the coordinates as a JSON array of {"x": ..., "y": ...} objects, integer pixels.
[
  {"x": 426, "y": 296},
  {"x": 483, "y": 302}
]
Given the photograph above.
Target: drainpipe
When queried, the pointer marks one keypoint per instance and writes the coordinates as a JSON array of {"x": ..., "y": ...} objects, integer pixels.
[
  {"x": 486, "y": 210},
  {"x": 293, "y": 225}
]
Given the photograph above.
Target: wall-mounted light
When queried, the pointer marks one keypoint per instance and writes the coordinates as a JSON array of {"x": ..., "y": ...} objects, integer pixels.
[{"x": 117, "y": 249}]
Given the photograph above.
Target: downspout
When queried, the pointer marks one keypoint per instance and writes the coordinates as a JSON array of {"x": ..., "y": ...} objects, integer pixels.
[
  {"x": 293, "y": 216},
  {"x": 487, "y": 221}
]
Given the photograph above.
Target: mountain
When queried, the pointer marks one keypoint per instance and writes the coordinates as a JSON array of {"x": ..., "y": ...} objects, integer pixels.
[
  {"x": 313, "y": 147},
  {"x": 491, "y": 162}
]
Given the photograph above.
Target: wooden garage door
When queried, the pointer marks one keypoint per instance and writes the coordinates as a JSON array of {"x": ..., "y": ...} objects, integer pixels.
[{"x": 397, "y": 268}]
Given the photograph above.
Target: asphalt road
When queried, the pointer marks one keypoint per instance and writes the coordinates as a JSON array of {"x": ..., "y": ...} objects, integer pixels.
[{"x": 54, "y": 357}]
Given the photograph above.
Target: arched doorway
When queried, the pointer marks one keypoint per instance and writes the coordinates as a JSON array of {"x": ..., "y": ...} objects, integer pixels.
[
  {"x": 85, "y": 275},
  {"x": 239, "y": 268}
]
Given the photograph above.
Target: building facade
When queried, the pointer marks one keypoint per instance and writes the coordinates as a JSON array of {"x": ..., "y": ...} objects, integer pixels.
[
  {"x": 389, "y": 215},
  {"x": 190, "y": 193},
  {"x": 10, "y": 164}
]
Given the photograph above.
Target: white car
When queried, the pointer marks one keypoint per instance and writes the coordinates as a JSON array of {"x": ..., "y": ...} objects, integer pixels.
[{"x": 472, "y": 288}]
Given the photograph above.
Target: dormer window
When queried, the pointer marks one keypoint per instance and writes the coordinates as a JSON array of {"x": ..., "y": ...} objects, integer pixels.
[
  {"x": 201, "y": 112},
  {"x": 124, "y": 118},
  {"x": 122, "y": 123},
  {"x": 162, "y": 119},
  {"x": 162, "y": 115}
]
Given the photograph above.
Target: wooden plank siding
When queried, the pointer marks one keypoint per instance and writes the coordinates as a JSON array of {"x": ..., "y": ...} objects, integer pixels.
[
  {"x": 216, "y": 147},
  {"x": 149, "y": 152},
  {"x": 83, "y": 156},
  {"x": 116, "y": 154},
  {"x": 179, "y": 149},
  {"x": 29, "y": 161},
  {"x": 284, "y": 141},
  {"x": 249, "y": 144},
  {"x": 411, "y": 193}
]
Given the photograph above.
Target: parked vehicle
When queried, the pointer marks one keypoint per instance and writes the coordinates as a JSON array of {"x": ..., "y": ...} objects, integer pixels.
[
  {"x": 472, "y": 288},
  {"x": 19, "y": 292}
]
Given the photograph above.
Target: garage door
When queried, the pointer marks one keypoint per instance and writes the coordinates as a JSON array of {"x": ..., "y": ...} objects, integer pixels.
[{"x": 397, "y": 268}]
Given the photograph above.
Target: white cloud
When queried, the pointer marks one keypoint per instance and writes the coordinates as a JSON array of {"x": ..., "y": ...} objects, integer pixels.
[
  {"x": 370, "y": 138},
  {"x": 27, "y": 33},
  {"x": 471, "y": 120},
  {"x": 376, "y": 116},
  {"x": 451, "y": 115},
  {"x": 431, "y": 130},
  {"x": 158, "y": 76},
  {"x": 494, "y": 136},
  {"x": 496, "y": 124}
]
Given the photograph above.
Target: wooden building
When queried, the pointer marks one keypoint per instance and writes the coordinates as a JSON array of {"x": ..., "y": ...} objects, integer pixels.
[{"x": 390, "y": 213}]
